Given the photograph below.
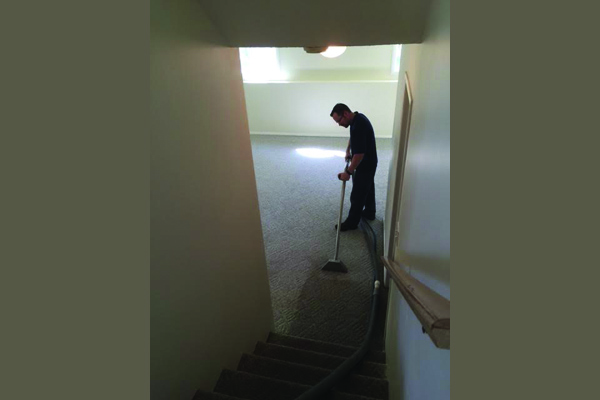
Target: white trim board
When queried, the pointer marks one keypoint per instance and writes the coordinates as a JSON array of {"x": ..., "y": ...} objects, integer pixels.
[
  {"x": 310, "y": 134},
  {"x": 329, "y": 81}
]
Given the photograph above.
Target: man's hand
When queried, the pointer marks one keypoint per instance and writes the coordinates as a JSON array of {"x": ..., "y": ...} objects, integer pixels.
[{"x": 344, "y": 176}]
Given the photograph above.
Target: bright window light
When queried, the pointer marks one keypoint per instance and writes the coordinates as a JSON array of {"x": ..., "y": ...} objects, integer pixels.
[
  {"x": 396, "y": 55},
  {"x": 334, "y": 51},
  {"x": 313, "y": 152},
  {"x": 260, "y": 64}
]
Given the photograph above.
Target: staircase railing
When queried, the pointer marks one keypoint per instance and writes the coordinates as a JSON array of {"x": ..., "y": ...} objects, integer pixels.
[{"x": 431, "y": 309}]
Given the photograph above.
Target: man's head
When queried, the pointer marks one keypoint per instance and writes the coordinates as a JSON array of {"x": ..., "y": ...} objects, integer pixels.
[{"x": 342, "y": 115}]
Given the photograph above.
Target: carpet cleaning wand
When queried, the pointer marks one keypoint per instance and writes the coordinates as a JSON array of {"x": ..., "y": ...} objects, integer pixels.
[{"x": 335, "y": 264}]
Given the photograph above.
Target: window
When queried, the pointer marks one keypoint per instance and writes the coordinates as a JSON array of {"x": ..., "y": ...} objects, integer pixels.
[
  {"x": 397, "y": 53},
  {"x": 260, "y": 64}
]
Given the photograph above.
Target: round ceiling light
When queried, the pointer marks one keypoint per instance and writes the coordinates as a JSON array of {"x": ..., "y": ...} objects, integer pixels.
[{"x": 334, "y": 51}]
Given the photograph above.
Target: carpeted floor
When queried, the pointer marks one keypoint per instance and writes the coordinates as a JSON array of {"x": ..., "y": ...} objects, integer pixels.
[{"x": 299, "y": 200}]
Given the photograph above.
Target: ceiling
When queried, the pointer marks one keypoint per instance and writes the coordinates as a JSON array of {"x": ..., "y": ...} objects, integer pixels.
[
  {"x": 293, "y": 64},
  {"x": 305, "y": 23},
  {"x": 354, "y": 58}
]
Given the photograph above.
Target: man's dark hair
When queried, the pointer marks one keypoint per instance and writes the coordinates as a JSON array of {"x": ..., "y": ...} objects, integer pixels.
[{"x": 339, "y": 109}]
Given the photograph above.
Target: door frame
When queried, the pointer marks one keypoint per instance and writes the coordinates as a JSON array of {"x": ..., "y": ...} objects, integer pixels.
[{"x": 402, "y": 151}]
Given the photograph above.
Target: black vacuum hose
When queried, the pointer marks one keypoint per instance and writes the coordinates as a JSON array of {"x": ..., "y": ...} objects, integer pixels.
[{"x": 346, "y": 367}]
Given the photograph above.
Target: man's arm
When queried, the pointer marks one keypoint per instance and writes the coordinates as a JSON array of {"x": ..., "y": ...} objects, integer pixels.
[
  {"x": 348, "y": 156},
  {"x": 356, "y": 159}
]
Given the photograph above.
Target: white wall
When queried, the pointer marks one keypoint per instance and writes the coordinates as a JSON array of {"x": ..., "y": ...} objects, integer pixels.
[
  {"x": 416, "y": 368},
  {"x": 311, "y": 85},
  {"x": 210, "y": 298},
  {"x": 303, "y": 108}
]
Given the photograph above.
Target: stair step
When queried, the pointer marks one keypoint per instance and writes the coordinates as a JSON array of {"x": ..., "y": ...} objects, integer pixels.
[
  {"x": 203, "y": 395},
  {"x": 309, "y": 375},
  {"x": 255, "y": 387},
  {"x": 345, "y": 396},
  {"x": 314, "y": 359},
  {"x": 323, "y": 347}
]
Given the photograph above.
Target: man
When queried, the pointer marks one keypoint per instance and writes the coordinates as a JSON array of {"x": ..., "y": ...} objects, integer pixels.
[{"x": 362, "y": 152}]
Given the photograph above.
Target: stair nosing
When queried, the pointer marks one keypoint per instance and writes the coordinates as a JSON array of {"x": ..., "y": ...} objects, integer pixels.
[
  {"x": 196, "y": 395},
  {"x": 260, "y": 377},
  {"x": 315, "y": 352},
  {"x": 317, "y": 359},
  {"x": 354, "y": 349},
  {"x": 308, "y": 351},
  {"x": 333, "y": 345},
  {"x": 324, "y": 370}
]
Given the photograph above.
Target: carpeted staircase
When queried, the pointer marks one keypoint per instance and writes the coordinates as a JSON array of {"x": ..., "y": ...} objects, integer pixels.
[{"x": 285, "y": 367}]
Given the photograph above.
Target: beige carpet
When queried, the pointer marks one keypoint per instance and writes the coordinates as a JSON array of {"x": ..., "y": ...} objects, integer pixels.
[{"x": 299, "y": 199}]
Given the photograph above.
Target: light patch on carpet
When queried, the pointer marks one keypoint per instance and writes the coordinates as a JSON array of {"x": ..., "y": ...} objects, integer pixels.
[{"x": 315, "y": 152}]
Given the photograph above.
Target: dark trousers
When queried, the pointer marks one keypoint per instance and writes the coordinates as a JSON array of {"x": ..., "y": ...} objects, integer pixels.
[{"x": 362, "y": 196}]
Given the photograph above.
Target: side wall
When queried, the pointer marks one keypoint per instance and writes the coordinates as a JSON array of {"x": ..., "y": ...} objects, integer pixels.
[
  {"x": 302, "y": 108},
  {"x": 210, "y": 296},
  {"x": 417, "y": 369}
]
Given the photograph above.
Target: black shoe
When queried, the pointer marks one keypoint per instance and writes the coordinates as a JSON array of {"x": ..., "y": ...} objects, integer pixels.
[
  {"x": 369, "y": 216},
  {"x": 346, "y": 227}
]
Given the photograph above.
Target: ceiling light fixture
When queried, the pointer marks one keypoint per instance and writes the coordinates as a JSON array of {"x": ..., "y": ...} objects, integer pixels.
[
  {"x": 334, "y": 51},
  {"x": 315, "y": 49}
]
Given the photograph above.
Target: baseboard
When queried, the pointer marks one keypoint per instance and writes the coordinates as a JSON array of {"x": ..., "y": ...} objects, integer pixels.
[{"x": 310, "y": 134}]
